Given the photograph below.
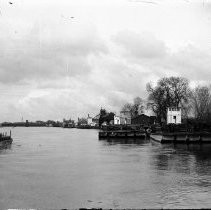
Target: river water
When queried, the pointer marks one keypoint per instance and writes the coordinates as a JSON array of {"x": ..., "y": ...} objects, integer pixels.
[{"x": 71, "y": 168}]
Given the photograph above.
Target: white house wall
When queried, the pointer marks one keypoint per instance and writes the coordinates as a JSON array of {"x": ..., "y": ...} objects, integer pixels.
[
  {"x": 116, "y": 120},
  {"x": 171, "y": 114}
]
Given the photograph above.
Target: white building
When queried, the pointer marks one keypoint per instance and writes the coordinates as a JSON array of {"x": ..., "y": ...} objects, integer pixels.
[
  {"x": 125, "y": 117},
  {"x": 92, "y": 121},
  {"x": 174, "y": 115},
  {"x": 116, "y": 120},
  {"x": 89, "y": 120}
]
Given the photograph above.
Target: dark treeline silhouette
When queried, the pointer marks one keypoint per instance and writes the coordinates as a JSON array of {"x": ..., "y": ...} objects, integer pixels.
[
  {"x": 169, "y": 92},
  {"x": 176, "y": 92},
  {"x": 105, "y": 117}
]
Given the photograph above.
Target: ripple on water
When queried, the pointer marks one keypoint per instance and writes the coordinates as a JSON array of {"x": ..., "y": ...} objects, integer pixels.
[{"x": 55, "y": 168}]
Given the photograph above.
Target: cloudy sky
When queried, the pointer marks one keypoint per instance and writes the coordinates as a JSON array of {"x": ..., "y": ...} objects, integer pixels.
[{"x": 67, "y": 58}]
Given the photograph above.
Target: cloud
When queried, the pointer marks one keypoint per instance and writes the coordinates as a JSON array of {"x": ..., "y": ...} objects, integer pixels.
[
  {"x": 140, "y": 46},
  {"x": 36, "y": 56},
  {"x": 73, "y": 73},
  {"x": 192, "y": 62},
  {"x": 157, "y": 59},
  {"x": 115, "y": 78}
]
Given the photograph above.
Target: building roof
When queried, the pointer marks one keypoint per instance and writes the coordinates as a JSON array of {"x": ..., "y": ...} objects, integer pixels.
[{"x": 141, "y": 115}]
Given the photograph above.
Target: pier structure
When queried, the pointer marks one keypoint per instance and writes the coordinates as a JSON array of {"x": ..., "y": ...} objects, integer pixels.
[
  {"x": 122, "y": 134},
  {"x": 182, "y": 138},
  {"x": 5, "y": 138}
]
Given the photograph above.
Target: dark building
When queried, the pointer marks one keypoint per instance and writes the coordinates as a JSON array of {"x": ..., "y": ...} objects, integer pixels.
[
  {"x": 143, "y": 119},
  {"x": 153, "y": 120}
]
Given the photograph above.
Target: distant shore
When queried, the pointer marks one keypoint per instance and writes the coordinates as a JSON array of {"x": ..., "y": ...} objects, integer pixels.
[{"x": 44, "y": 124}]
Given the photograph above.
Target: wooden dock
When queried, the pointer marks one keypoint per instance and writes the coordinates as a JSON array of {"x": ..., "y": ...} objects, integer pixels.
[
  {"x": 182, "y": 138},
  {"x": 5, "y": 139},
  {"x": 121, "y": 134}
]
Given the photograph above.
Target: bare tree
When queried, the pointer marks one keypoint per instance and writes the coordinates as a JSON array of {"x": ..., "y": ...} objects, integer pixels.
[
  {"x": 201, "y": 102},
  {"x": 171, "y": 91},
  {"x": 187, "y": 109},
  {"x": 135, "y": 107},
  {"x": 156, "y": 101}
]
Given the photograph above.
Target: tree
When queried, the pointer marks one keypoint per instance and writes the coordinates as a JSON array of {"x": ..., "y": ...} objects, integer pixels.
[
  {"x": 82, "y": 121},
  {"x": 103, "y": 113},
  {"x": 201, "y": 102},
  {"x": 156, "y": 101},
  {"x": 105, "y": 117},
  {"x": 135, "y": 107},
  {"x": 127, "y": 107},
  {"x": 169, "y": 92}
]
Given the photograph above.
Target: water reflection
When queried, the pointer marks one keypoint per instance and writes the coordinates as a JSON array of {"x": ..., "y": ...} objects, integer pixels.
[
  {"x": 180, "y": 171},
  {"x": 182, "y": 158},
  {"x": 4, "y": 147},
  {"x": 201, "y": 152}
]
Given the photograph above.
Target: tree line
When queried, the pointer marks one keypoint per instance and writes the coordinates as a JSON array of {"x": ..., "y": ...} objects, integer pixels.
[{"x": 174, "y": 92}]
